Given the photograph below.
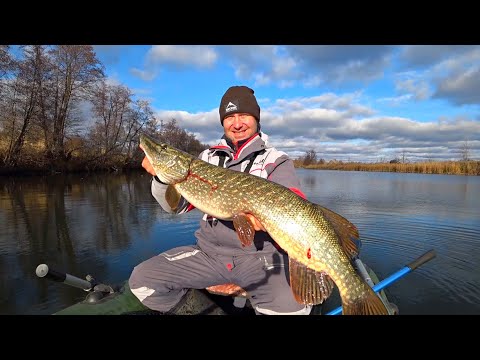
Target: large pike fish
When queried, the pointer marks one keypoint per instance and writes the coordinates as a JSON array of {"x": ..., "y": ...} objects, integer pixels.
[{"x": 319, "y": 242}]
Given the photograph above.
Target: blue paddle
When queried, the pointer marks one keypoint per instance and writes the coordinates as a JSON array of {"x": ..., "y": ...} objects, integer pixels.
[{"x": 429, "y": 255}]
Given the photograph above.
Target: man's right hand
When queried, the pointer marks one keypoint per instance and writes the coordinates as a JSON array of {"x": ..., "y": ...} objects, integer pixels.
[
  {"x": 148, "y": 166},
  {"x": 257, "y": 225}
]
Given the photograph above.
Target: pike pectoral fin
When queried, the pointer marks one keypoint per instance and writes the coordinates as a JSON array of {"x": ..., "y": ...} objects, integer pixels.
[
  {"x": 346, "y": 231},
  {"x": 309, "y": 286},
  {"x": 173, "y": 197},
  {"x": 244, "y": 228}
]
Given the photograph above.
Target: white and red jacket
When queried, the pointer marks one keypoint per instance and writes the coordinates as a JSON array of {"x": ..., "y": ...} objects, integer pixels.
[{"x": 255, "y": 156}]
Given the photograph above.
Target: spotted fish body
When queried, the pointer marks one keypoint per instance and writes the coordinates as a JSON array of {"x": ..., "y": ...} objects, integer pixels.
[{"x": 318, "y": 241}]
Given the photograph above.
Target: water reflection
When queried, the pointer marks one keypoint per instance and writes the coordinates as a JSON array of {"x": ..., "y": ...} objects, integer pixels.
[
  {"x": 78, "y": 224},
  {"x": 104, "y": 225},
  {"x": 401, "y": 216}
]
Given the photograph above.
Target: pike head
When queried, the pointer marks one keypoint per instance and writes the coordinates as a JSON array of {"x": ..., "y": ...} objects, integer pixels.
[{"x": 170, "y": 165}]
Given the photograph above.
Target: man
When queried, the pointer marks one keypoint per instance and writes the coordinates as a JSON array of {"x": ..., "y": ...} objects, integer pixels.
[{"x": 218, "y": 256}]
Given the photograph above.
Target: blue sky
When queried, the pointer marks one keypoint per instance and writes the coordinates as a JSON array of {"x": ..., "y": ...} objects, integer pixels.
[{"x": 357, "y": 103}]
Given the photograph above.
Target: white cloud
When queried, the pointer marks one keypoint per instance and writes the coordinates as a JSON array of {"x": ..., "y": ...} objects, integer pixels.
[
  {"x": 349, "y": 125},
  {"x": 182, "y": 55},
  {"x": 416, "y": 89},
  {"x": 344, "y": 130},
  {"x": 145, "y": 75}
]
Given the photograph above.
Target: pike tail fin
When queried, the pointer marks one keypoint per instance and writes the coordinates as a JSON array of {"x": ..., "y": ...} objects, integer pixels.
[{"x": 367, "y": 304}]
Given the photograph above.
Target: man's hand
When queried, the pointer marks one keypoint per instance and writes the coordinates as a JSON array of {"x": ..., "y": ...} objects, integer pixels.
[
  {"x": 256, "y": 224},
  {"x": 147, "y": 165}
]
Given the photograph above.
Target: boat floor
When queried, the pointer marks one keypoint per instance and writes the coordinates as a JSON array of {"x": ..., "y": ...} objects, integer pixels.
[
  {"x": 201, "y": 302},
  {"x": 195, "y": 302}
]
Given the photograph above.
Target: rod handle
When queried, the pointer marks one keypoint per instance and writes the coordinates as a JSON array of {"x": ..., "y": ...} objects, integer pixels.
[
  {"x": 429, "y": 255},
  {"x": 43, "y": 271}
]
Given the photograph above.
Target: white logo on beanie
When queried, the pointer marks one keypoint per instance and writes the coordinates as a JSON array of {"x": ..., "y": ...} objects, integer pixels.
[{"x": 230, "y": 107}]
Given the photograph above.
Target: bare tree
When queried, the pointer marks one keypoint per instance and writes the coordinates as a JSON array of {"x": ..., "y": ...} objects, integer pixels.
[
  {"x": 118, "y": 121},
  {"x": 173, "y": 135},
  {"x": 75, "y": 70},
  {"x": 310, "y": 157},
  {"x": 465, "y": 151},
  {"x": 110, "y": 106},
  {"x": 6, "y": 61},
  {"x": 140, "y": 118},
  {"x": 23, "y": 100},
  {"x": 6, "y": 66}
]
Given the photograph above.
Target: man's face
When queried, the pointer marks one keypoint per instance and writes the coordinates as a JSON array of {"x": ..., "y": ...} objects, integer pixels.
[{"x": 239, "y": 126}]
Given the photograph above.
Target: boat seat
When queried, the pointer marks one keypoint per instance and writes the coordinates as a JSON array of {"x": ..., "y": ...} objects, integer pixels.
[{"x": 229, "y": 289}]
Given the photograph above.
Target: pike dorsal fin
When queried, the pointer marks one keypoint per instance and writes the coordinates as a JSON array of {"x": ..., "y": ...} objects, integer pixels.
[
  {"x": 346, "y": 231},
  {"x": 309, "y": 286},
  {"x": 244, "y": 228},
  {"x": 173, "y": 197}
]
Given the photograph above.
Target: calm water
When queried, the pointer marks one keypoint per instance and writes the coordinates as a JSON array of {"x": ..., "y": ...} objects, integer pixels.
[{"x": 103, "y": 225}]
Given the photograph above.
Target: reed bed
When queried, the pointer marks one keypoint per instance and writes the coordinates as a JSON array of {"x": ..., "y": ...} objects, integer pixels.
[{"x": 432, "y": 167}]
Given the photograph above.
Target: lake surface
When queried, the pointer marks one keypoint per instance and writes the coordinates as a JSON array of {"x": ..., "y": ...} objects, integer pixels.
[{"x": 103, "y": 225}]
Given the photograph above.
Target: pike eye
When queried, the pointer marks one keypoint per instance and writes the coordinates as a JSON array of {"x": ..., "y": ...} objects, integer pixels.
[{"x": 163, "y": 146}]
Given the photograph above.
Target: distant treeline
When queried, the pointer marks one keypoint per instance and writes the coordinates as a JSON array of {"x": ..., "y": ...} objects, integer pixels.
[
  {"x": 460, "y": 167},
  {"x": 59, "y": 114},
  {"x": 464, "y": 166}
]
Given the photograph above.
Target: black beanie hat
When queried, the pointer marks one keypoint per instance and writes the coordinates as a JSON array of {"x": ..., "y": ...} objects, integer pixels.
[{"x": 239, "y": 99}]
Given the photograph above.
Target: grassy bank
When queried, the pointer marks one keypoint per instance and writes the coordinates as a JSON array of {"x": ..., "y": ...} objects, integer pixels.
[{"x": 33, "y": 161}]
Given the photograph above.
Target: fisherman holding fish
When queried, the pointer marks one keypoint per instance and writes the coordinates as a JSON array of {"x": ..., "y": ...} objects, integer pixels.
[{"x": 218, "y": 257}]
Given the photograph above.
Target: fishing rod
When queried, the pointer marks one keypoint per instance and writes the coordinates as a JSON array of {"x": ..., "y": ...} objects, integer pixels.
[{"x": 429, "y": 255}]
